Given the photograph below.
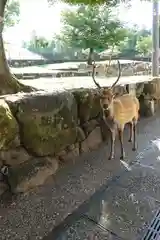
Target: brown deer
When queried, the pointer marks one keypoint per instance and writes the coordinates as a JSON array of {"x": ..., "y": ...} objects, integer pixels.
[{"x": 117, "y": 112}]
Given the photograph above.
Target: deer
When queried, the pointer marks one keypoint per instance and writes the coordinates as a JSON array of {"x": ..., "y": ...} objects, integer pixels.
[{"x": 117, "y": 111}]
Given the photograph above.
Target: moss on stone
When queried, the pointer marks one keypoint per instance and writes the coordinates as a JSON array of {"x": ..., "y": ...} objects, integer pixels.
[
  {"x": 8, "y": 126},
  {"x": 47, "y": 121}
]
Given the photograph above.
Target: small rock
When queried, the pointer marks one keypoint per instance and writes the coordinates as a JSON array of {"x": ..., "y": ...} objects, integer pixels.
[
  {"x": 3, "y": 188},
  {"x": 15, "y": 156},
  {"x": 80, "y": 134},
  {"x": 90, "y": 125},
  {"x": 71, "y": 155},
  {"x": 71, "y": 147},
  {"x": 32, "y": 173},
  {"x": 17, "y": 141},
  {"x": 61, "y": 154},
  {"x": 93, "y": 140},
  {"x": 77, "y": 145}
]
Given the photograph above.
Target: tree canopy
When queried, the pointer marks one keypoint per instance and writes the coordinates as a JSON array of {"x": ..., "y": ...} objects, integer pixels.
[
  {"x": 12, "y": 12},
  {"x": 91, "y": 2},
  {"x": 131, "y": 47},
  {"x": 92, "y": 27},
  {"x": 144, "y": 46},
  {"x": 96, "y": 2}
]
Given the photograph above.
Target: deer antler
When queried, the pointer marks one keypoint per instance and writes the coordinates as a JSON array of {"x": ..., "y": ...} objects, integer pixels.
[
  {"x": 97, "y": 84},
  {"x": 119, "y": 74},
  {"x": 93, "y": 75}
]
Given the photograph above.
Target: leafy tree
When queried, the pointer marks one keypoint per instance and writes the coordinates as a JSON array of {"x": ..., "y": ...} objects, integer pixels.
[
  {"x": 40, "y": 45},
  {"x": 90, "y": 2},
  {"x": 12, "y": 12},
  {"x": 144, "y": 46},
  {"x": 128, "y": 46},
  {"x": 92, "y": 27},
  {"x": 8, "y": 83},
  {"x": 109, "y": 3}
]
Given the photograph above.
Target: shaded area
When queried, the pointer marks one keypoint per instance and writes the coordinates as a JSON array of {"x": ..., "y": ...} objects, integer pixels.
[
  {"x": 125, "y": 206},
  {"x": 83, "y": 228},
  {"x": 122, "y": 211},
  {"x": 34, "y": 215}
]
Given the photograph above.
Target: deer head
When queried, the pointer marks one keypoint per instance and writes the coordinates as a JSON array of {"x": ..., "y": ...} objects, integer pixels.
[{"x": 106, "y": 93}]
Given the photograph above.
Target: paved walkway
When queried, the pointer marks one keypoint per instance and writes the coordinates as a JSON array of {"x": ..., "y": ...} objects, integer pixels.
[
  {"x": 124, "y": 206},
  {"x": 65, "y": 83},
  {"x": 127, "y": 194}
]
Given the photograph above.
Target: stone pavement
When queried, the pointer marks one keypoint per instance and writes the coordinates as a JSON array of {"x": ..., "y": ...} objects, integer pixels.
[
  {"x": 94, "y": 198},
  {"x": 121, "y": 211},
  {"x": 69, "y": 83},
  {"x": 124, "y": 207}
]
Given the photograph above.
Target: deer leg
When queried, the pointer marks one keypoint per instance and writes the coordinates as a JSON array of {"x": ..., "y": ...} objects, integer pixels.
[
  {"x": 134, "y": 136},
  {"x": 120, "y": 131},
  {"x": 131, "y": 132},
  {"x": 113, "y": 137}
]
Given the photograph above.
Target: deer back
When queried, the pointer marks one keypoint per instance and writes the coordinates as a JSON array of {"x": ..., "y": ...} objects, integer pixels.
[{"x": 125, "y": 108}]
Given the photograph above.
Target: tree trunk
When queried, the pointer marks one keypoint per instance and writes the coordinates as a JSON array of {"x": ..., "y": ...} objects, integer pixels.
[
  {"x": 152, "y": 89},
  {"x": 90, "y": 56},
  {"x": 8, "y": 82},
  {"x": 155, "y": 39}
]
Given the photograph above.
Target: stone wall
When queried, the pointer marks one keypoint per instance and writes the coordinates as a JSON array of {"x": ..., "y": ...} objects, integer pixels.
[
  {"x": 42, "y": 131},
  {"x": 82, "y": 69},
  {"x": 128, "y": 68}
]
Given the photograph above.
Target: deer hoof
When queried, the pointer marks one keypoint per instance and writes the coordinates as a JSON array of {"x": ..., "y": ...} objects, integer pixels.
[
  {"x": 130, "y": 140},
  {"x": 122, "y": 158},
  {"x": 134, "y": 149},
  {"x": 110, "y": 158}
]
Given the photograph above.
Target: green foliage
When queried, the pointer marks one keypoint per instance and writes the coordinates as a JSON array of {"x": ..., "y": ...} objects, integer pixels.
[
  {"x": 90, "y": 2},
  {"x": 144, "y": 46},
  {"x": 109, "y": 3},
  {"x": 91, "y": 27},
  {"x": 128, "y": 47},
  {"x": 39, "y": 45},
  {"x": 12, "y": 12},
  {"x": 39, "y": 42}
]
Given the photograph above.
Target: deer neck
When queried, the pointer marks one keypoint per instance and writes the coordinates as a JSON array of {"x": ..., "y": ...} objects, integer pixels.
[{"x": 109, "y": 113}]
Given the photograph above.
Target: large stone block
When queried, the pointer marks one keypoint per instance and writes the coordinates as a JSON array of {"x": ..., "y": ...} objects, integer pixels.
[
  {"x": 152, "y": 88},
  {"x": 47, "y": 121},
  {"x": 88, "y": 104}
]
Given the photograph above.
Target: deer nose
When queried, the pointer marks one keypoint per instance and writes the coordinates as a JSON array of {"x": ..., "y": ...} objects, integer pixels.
[{"x": 105, "y": 106}]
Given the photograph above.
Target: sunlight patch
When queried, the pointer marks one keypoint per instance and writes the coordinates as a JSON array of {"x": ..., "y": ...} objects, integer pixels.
[
  {"x": 104, "y": 218},
  {"x": 156, "y": 143},
  {"x": 126, "y": 165}
]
